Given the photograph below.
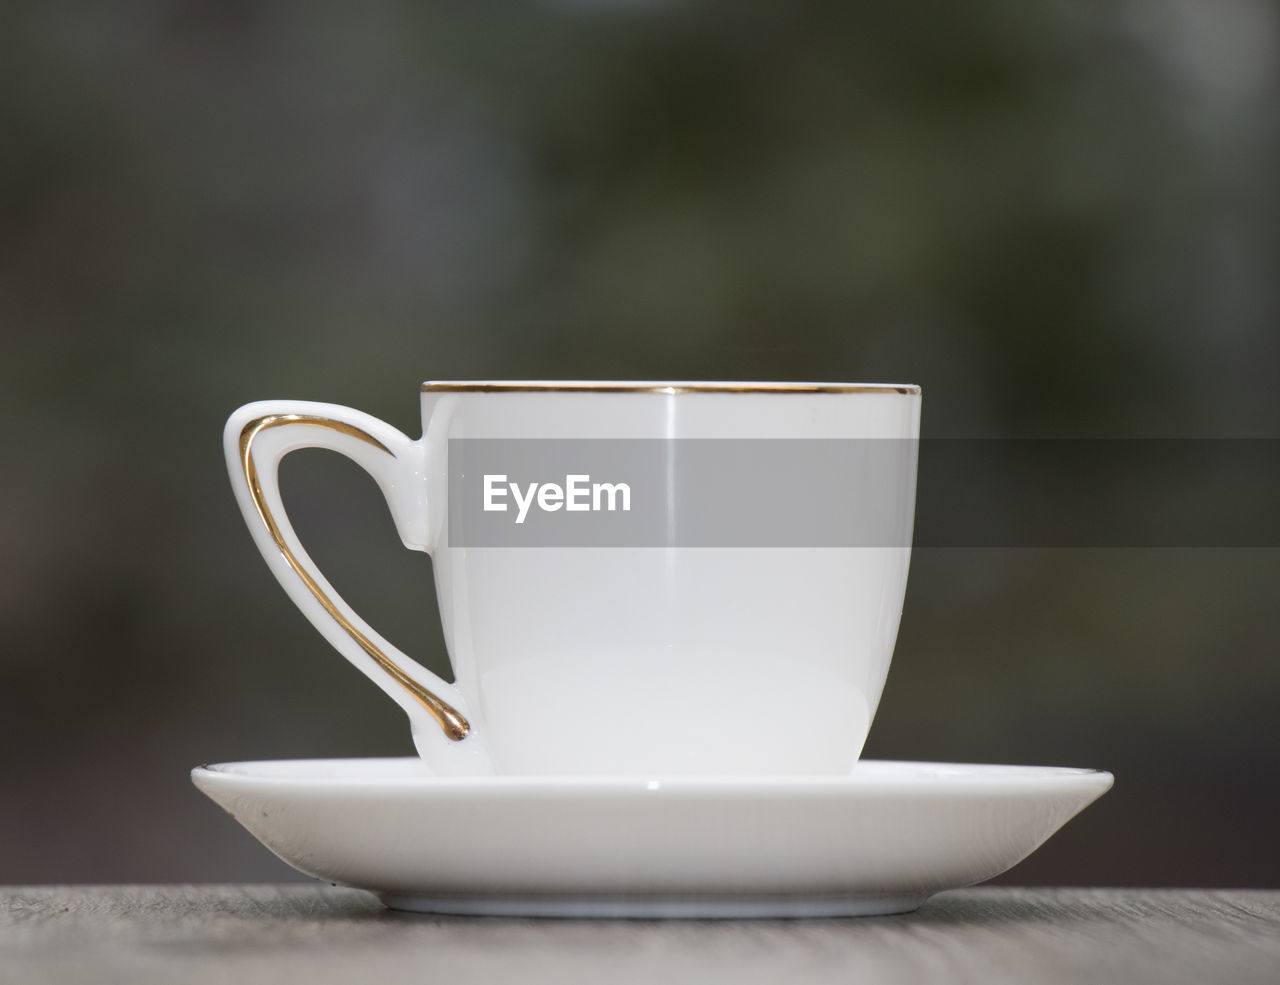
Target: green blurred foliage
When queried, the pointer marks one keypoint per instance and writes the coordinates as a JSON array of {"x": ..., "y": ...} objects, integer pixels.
[{"x": 1059, "y": 218}]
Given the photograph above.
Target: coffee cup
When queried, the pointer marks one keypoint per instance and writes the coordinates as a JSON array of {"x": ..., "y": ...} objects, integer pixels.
[{"x": 633, "y": 578}]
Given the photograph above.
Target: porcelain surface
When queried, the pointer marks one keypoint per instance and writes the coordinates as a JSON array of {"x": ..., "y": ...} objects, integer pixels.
[{"x": 881, "y": 839}]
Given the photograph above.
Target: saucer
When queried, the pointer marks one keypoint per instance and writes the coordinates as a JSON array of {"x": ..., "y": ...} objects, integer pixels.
[{"x": 880, "y": 839}]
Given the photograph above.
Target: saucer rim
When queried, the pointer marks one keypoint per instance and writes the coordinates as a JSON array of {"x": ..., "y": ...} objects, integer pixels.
[{"x": 961, "y": 777}]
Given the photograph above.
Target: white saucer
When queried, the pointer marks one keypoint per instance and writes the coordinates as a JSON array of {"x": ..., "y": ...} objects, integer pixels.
[{"x": 881, "y": 839}]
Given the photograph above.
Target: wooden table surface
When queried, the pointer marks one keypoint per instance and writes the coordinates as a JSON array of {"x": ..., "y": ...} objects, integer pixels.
[{"x": 319, "y": 934}]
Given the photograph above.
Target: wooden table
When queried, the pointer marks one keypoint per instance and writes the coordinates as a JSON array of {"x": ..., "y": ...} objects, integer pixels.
[{"x": 319, "y": 934}]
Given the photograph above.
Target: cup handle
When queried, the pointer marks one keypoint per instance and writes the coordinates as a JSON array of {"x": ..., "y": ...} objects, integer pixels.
[{"x": 256, "y": 438}]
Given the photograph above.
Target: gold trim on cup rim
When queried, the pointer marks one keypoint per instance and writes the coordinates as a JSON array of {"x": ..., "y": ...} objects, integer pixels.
[{"x": 627, "y": 386}]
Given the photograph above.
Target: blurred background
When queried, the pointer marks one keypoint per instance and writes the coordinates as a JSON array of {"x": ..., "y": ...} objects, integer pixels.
[{"x": 1060, "y": 218}]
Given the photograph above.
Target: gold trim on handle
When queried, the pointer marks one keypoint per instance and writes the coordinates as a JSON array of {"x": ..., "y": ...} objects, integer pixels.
[{"x": 455, "y": 726}]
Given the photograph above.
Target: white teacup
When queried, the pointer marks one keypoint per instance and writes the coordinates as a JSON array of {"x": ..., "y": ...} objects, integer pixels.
[{"x": 627, "y": 651}]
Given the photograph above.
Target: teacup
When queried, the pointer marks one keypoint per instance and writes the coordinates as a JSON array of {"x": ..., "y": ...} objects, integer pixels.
[{"x": 633, "y": 578}]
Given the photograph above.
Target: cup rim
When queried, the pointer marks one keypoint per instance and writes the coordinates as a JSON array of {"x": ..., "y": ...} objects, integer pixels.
[{"x": 651, "y": 386}]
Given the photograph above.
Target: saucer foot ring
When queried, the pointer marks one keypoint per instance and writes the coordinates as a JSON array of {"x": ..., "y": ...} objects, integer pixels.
[{"x": 691, "y": 907}]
